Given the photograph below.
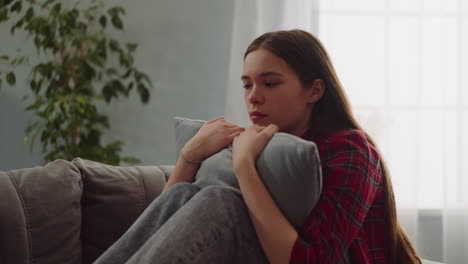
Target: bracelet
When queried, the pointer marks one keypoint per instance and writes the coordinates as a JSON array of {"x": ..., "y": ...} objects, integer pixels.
[{"x": 189, "y": 161}]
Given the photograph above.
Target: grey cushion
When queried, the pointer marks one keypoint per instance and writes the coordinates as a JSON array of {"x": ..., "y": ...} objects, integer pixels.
[
  {"x": 113, "y": 198},
  {"x": 40, "y": 214},
  {"x": 289, "y": 167}
]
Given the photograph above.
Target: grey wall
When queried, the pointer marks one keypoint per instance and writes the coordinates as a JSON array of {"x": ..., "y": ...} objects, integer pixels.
[{"x": 183, "y": 45}]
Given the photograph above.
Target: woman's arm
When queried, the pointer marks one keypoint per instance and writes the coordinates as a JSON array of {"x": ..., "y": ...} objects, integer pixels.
[
  {"x": 183, "y": 172},
  {"x": 274, "y": 231},
  {"x": 212, "y": 137},
  {"x": 352, "y": 181}
]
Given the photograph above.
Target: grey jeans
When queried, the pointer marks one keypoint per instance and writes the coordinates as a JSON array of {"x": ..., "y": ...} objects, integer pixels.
[{"x": 186, "y": 224}]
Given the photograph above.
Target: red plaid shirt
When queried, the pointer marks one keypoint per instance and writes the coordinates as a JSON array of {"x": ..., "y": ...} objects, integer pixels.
[{"x": 349, "y": 215}]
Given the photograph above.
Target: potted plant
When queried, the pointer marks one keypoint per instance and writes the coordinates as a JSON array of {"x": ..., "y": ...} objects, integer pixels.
[{"x": 79, "y": 64}]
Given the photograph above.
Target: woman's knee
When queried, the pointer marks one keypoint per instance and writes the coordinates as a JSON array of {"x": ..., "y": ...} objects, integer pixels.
[
  {"x": 222, "y": 198},
  {"x": 178, "y": 193},
  {"x": 220, "y": 192},
  {"x": 183, "y": 187}
]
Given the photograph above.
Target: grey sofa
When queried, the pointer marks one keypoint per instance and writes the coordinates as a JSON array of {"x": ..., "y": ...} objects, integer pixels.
[{"x": 71, "y": 212}]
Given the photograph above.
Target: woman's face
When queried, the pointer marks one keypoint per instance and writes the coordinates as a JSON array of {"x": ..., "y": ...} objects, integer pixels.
[{"x": 274, "y": 93}]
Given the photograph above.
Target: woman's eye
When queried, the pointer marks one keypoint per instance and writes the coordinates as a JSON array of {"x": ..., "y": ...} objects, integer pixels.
[
  {"x": 270, "y": 84},
  {"x": 246, "y": 86}
]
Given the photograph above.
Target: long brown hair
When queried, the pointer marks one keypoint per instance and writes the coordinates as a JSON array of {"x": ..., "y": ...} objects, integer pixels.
[{"x": 307, "y": 56}]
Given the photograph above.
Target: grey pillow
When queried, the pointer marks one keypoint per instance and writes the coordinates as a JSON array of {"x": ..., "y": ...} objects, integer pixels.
[
  {"x": 289, "y": 167},
  {"x": 40, "y": 214}
]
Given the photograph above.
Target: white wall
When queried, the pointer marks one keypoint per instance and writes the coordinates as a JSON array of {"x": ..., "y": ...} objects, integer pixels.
[{"x": 184, "y": 47}]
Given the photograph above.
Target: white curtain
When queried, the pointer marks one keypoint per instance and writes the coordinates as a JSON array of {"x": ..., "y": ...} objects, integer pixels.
[{"x": 403, "y": 64}]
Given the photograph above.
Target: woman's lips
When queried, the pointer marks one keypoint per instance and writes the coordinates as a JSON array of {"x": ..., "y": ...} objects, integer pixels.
[{"x": 255, "y": 116}]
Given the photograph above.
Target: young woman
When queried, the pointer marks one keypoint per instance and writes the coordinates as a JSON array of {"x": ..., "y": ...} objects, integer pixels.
[{"x": 290, "y": 86}]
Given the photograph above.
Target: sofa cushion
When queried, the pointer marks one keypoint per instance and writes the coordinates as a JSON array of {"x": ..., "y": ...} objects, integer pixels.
[
  {"x": 288, "y": 166},
  {"x": 113, "y": 198},
  {"x": 40, "y": 214}
]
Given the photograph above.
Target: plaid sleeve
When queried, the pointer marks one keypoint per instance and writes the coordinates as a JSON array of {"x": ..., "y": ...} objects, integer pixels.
[{"x": 350, "y": 182}]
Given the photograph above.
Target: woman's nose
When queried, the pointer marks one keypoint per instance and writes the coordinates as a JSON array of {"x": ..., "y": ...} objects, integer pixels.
[{"x": 255, "y": 96}]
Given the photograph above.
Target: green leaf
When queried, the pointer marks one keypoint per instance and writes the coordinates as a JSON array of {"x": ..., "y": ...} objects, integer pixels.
[
  {"x": 5, "y": 57},
  {"x": 32, "y": 130},
  {"x": 81, "y": 99},
  {"x": 130, "y": 86},
  {"x": 39, "y": 102},
  {"x": 44, "y": 69},
  {"x": 18, "y": 24},
  {"x": 65, "y": 109},
  {"x": 111, "y": 71},
  {"x": 5, "y": 3},
  {"x": 87, "y": 71},
  {"x": 48, "y": 2},
  {"x": 144, "y": 93},
  {"x": 114, "y": 45},
  {"x": 120, "y": 10},
  {"x": 3, "y": 14},
  {"x": 56, "y": 9},
  {"x": 116, "y": 10},
  {"x": 93, "y": 8},
  {"x": 131, "y": 160},
  {"x": 11, "y": 78},
  {"x": 101, "y": 48},
  {"x": 125, "y": 60},
  {"x": 103, "y": 21},
  {"x": 103, "y": 120},
  {"x": 29, "y": 14},
  {"x": 69, "y": 20},
  {"x": 145, "y": 77},
  {"x": 117, "y": 22},
  {"x": 82, "y": 27},
  {"x": 119, "y": 87},
  {"x": 25, "y": 142},
  {"x": 37, "y": 42},
  {"x": 22, "y": 59},
  {"x": 107, "y": 92},
  {"x": 33, "y": 84},
  {"x": 16, "y": 7},
  {"x": 127, "y": 74},
  {"x": 38, "y": 86},
  {"x": 131, "y": 47},
  {"x": 97, "y": 60}
]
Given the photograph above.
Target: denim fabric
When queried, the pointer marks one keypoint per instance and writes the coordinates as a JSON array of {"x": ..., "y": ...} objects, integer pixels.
[{"x": 188, "y": 225}]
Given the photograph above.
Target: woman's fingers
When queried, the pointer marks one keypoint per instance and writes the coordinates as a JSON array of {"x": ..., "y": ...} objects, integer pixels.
[
  {"x": 235, "y": 132},
  {"x": 258, "y": 128},
  {"x": 223, "y": 122},
  {"x": 232, "y": 136},
  {"x": 235, "y": 129},
  {"x": 230, "y": 124},
  {"x": 214, "y": 120},
  {"x": 270, "y": 130}
]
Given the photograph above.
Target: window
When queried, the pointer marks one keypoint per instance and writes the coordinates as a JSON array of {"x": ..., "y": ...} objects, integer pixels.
[{"x": 404, "y": 65}]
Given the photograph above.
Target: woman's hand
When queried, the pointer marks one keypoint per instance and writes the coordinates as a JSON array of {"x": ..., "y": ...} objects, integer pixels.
[
  {"x": 250, "y": 143},
  {"x": 212, "y": 137}
]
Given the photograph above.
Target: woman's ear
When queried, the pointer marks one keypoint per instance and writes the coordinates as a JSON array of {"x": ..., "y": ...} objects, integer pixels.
[{"x": 315, "y": 90}]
